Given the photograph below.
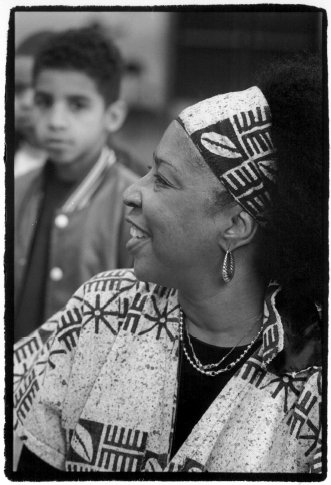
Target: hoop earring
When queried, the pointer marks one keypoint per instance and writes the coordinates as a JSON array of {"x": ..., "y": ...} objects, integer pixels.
[{"x": 228, "y": 267}]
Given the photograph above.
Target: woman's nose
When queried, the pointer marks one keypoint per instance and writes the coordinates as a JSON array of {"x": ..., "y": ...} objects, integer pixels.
[{"x": 132, "y": 195}]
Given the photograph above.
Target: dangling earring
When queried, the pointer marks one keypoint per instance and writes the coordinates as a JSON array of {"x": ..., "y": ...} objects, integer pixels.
[{"x": 228, "y": 267}]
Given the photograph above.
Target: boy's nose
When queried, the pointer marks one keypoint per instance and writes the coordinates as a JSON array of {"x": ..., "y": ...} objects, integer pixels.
[
  {"x": 57, "y": 117},
  {"x": 132, "y": 196}
]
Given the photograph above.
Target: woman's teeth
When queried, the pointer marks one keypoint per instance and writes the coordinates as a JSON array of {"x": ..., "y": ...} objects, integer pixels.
[{"x": 135, "y": 232}]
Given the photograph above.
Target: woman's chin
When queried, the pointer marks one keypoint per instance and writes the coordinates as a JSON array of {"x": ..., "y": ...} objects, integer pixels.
[
  {"x": 147, "y": 273},
  {"x": 140, "y": 271}
]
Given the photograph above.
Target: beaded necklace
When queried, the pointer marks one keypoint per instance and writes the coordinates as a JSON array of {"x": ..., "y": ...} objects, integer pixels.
[{"x": 206, "y": 368}]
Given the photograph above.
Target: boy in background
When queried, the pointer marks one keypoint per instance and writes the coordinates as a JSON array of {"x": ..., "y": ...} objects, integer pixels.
[
  {"x": 28, "y": 154},
  {"x": 69, "y": 216}
]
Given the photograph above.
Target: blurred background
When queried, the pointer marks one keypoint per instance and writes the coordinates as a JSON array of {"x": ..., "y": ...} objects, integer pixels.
[{"x": 175, "y": 58}]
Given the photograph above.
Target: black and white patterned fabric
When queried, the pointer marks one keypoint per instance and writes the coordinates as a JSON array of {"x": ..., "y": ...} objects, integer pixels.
[
  {"x": 96, "y": 390},
  {"x": 233, "y": 134}
]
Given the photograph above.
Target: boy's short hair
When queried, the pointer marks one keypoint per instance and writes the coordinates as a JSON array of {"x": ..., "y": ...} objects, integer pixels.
[
  {"x": 88, "y": 50},
  {"x": 31, "y": 45}
]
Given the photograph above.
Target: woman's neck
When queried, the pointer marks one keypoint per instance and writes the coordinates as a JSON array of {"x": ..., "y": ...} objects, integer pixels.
[{"x": 223, "y": 315}]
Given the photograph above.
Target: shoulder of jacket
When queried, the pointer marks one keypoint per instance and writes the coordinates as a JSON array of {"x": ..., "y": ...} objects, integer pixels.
[
  {"x": 121, "y": 282},
  {"x": 24, "y": 181},
  {"x": 123, "y": 173}
]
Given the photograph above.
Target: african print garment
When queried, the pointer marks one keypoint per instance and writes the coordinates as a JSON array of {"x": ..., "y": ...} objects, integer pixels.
[{"x": 96, "y": 387}]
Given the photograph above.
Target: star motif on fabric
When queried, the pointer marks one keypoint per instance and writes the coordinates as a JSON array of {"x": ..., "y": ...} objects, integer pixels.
[
  {"x": 161, "y": 320},
  {"x": 285, "y": 383},
  {"x": 99, "y": 314}
]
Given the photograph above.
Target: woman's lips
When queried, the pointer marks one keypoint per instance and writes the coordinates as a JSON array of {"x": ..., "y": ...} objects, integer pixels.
[
  {"x": 137, "y": 233},
  {"x": 138, "y": 237}
]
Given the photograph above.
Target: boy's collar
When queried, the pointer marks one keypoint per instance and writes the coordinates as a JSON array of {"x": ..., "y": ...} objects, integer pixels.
[
  {"x": 86, "y": 188},
  {"x": 81, "y": 196}
]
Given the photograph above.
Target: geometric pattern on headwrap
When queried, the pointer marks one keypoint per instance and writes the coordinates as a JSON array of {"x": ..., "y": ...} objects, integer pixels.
[{"x": 233, "y": 134}]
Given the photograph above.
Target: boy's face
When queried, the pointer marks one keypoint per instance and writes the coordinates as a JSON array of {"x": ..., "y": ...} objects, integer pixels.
[
  {"x": 71, "y": 116},
  {"x": 23, "y": 94}
]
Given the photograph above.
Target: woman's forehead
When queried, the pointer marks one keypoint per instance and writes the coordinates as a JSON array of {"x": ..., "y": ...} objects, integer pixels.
[{"x": 177, "y": 147}]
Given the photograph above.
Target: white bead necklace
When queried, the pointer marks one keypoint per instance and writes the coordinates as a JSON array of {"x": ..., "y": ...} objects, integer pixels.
[{"x": 205, "y": 368}]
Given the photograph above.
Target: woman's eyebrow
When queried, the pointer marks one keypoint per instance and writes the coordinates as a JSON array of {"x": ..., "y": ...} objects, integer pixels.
[{"x": 159, "y": 160}]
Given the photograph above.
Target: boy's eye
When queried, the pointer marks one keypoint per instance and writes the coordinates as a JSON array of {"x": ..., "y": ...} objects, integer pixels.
[
  {"x": 77, "y": 104},
  {"x": 42, "y": 101}
]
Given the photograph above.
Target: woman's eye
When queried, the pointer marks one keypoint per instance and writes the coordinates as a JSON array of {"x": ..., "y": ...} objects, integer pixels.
[{"x": 159, "y": 180}]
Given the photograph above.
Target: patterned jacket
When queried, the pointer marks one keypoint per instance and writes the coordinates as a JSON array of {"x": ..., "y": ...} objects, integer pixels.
[
  {"x": 96, "y": 389},
  {"x": 88, "y": 233}
]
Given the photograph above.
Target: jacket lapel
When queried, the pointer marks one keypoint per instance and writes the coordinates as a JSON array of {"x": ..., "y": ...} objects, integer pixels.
[{"x": 90, "y": 184}]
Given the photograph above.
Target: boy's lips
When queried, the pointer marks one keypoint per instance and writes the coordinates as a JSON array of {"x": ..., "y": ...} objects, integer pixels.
[{"x": 57, "y": 143}]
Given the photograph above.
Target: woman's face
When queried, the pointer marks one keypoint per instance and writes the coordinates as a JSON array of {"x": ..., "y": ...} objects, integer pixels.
[{"x": 175, "y": 228}]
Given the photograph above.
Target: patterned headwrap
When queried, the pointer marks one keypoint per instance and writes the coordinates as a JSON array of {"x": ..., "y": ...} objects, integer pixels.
[{"x": 233, "y": 134}]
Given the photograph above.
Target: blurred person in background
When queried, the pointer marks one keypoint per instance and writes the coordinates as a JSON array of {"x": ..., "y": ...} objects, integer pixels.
[
  {"x": 28, "y": 153},
  {"x": 206, "y": 356},
  {"x": 123, "y": 156},
  {"x": 69, "y": 215}
]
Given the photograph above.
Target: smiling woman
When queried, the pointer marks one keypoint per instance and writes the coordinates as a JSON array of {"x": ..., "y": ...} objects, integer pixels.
[
  {"x": 201, "y": 358},
  {"x": 171, "y": 204}
]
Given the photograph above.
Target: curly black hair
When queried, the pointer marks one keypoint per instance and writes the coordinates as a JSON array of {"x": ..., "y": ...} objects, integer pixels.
[
  {"x": 292, "y": 246},
  {"x": 88, "y": 50}
]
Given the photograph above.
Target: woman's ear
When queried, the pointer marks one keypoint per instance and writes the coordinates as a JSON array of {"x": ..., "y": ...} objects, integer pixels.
[
  {"x": 116, "y": 114},
  {"x": 241, "y": 231}
]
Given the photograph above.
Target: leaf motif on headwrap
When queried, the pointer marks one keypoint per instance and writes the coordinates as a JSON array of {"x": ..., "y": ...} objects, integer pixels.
[
  {"x": 220, "y": 145},
  {"x": 82, "y": 443}
]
